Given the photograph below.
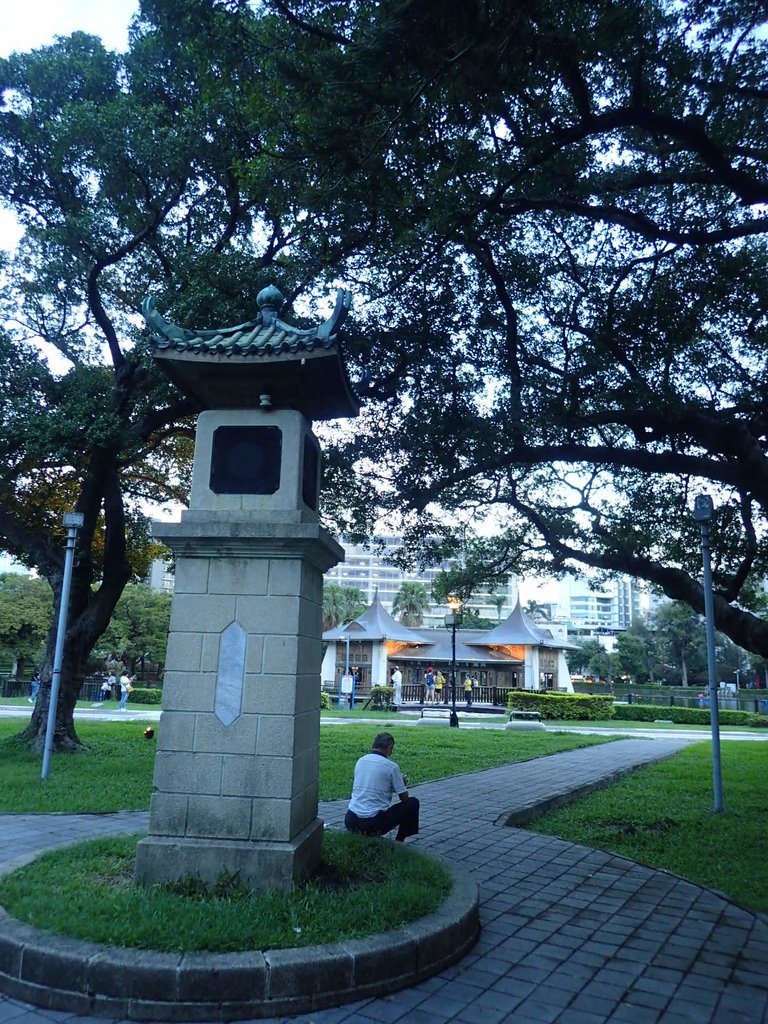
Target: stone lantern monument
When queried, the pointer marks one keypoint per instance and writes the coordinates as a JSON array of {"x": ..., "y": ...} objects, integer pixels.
[{"x": 236, "y": 775}]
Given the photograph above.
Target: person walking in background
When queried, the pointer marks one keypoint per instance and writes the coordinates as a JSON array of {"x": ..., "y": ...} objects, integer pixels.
[
  {"x": 468, "y": 684},
  {"x": 377, "y": 779},
  {"x": 104, "y": 691},
  {"x": 439, "y": 686},
  {"x": 125, "y": 689},
  {"x": 35, "y": 686},
  {"x": 397, "y": 682},
  {"x": 429, "y": 686}
]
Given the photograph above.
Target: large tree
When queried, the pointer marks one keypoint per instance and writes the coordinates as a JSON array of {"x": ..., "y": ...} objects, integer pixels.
[
  {"x": 558, "y": 212},
  {"x": 123, "y": 173},
  {"x": 552, "y": 216}
]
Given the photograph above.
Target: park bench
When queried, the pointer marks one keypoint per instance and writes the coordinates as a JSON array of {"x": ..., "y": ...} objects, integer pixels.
[
  {"x": 524, "y": 720},
  {"x": 434, "y": 715}
]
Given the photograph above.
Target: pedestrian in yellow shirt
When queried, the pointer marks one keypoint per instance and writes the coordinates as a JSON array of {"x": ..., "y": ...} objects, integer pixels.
[
  {"x": 468, "y": 684},
  {"x": 439, "y": 684}
]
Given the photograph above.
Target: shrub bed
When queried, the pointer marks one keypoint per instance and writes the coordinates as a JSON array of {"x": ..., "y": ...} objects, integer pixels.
[
  {"x": 562, "y": 706},
  {"x": 687, "y": 716},
  {"x": 146, "y": 695},
  {"x": 381, "y": 697}
]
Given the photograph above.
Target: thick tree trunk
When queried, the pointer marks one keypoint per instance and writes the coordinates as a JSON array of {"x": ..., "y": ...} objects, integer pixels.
[{"x": 73, "y": 669}]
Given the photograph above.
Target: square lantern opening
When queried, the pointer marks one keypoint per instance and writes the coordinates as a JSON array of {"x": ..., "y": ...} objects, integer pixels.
[{"x": 246, "y": 460}]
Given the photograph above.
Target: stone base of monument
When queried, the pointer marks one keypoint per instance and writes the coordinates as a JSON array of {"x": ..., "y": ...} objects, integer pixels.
[
  {"x": 60, "y": 973},
  {"x": 262, "y": 865}
]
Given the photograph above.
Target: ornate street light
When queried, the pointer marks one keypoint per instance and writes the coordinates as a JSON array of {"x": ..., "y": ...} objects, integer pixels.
[{"x": 451, "y": 619}]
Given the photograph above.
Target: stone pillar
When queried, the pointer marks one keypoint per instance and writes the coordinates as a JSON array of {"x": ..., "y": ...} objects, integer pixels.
[{"x": 236, "y": 774}]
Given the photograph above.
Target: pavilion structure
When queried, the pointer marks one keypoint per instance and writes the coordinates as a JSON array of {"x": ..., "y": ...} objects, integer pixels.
[{"x": 515, "y": 654}]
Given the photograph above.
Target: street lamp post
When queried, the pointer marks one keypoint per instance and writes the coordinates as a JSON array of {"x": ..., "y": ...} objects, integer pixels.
[
  {"x": 703, "y": 510},
  {"x": 73, "y": 521},
  {"x": 454, "y": 603}
]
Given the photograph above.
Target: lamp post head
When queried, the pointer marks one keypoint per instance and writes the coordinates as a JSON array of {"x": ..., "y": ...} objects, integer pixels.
[
  {"x": 454, "y": 615},
  {"x": 703, "y": 508}
]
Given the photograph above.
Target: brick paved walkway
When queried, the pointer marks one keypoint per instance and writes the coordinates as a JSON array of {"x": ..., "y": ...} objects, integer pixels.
[{"x": 570, "y": 935}]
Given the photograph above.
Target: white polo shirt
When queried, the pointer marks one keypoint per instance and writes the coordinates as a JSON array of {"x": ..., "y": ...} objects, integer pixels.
[{"x": 377, "y": 780}]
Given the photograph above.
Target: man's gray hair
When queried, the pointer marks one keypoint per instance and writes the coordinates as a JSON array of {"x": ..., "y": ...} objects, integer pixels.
[{"x": 383, "y": 741}]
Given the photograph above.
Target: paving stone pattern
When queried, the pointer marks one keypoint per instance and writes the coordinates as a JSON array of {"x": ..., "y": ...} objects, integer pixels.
[{"x": 569, "y": 935}]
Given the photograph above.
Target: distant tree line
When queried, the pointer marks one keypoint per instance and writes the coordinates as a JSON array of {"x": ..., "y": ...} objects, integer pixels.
[{"x": 669, "y": 647}]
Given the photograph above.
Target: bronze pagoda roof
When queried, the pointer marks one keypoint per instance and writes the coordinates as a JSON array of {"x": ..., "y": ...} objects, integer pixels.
[{"x": 264, "y": 363}]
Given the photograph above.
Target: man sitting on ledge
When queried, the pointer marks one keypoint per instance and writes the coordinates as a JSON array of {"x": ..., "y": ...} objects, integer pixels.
[{"x": 377, "y": 780}]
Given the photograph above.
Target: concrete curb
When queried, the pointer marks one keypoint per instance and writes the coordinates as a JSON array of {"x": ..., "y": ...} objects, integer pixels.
[
  {"x": 536, "y": 807},
  {"x": 60, "y": 973}
]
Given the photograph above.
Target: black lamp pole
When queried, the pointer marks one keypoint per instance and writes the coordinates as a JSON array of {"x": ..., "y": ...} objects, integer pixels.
[{"x": 454, "y": 604}]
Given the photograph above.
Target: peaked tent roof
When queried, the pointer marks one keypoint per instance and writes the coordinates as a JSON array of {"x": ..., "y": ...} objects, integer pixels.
[
  {"x": 518, "y": 629},
  {"x": 375, "y": 624}
]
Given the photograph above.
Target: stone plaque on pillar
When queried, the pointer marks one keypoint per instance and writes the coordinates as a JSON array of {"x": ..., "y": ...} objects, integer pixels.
[{"x": 236, "y": 774}]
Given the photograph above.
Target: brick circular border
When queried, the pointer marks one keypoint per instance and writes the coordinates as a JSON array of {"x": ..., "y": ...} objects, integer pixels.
[{"x": 60, "y": 973}]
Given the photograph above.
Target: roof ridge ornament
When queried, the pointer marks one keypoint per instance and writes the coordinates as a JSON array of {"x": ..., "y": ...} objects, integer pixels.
[{"x": 270, "y": 301}]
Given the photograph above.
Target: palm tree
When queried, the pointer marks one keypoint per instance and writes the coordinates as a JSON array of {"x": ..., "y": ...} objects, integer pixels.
[
  {"x": 411, "y": 601},
  {"x": 536, "y": 611},
  {"x": 341, "y": 604},
  {"x": 498, "y": 601}
]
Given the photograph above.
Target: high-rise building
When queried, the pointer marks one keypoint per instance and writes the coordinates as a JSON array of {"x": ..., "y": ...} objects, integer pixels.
[
  {"x": 368, "y": 567},
  {"x": 590, "y": 609}
]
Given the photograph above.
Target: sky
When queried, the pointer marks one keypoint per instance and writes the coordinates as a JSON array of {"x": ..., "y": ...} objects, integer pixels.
[
  {"x": 29, "y": 24},
  {"x": 33, "y": 23}
]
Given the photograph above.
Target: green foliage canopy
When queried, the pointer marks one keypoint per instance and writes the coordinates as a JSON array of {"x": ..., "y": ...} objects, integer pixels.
[
  {"x": 556, "y": 216},
  {"x": 25, "y": 615},
  {"x": 410, "y": 603},
  {"x": 122, "y": 171},
  {"x": 138, "y": 628}
]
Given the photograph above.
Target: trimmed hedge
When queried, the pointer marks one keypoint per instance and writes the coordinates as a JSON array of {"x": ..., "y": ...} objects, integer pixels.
[
  {"x": 146, "y": 695},
  {"x": 562, "y": 706},
  {"x": 381, "y": 697},
  {"x": 325, "y": 701},
  {"x": 687, "y": 716}
]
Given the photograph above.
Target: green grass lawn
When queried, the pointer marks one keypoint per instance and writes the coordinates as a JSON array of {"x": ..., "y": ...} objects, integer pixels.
[
  {"x": 662, "y": 816},
  {"x": 86, "y": 891},
  {"x": 115, "y": 772}
]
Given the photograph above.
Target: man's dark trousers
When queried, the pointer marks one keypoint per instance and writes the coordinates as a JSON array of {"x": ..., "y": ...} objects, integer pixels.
[{"x": 404, "y": 814}]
